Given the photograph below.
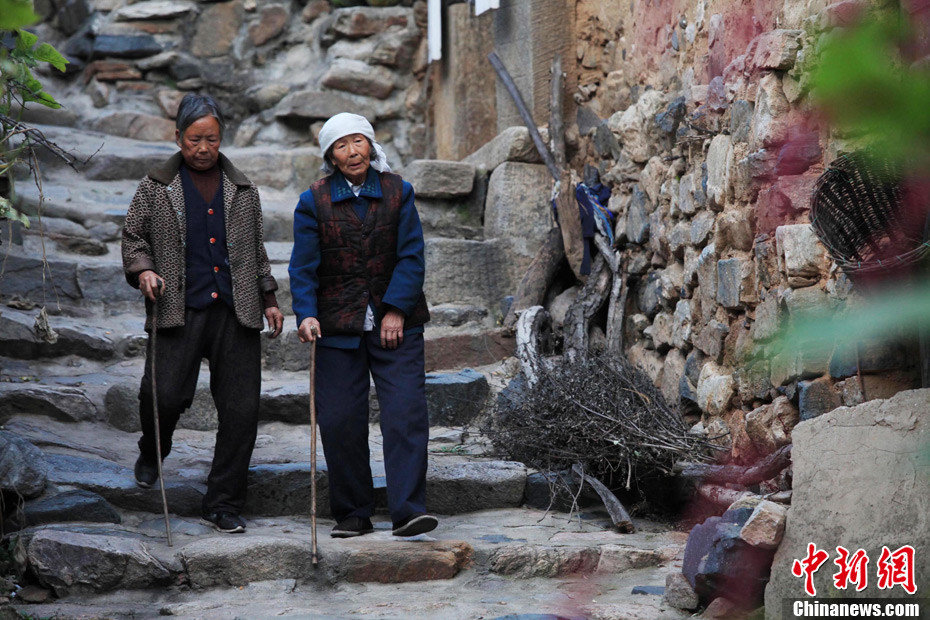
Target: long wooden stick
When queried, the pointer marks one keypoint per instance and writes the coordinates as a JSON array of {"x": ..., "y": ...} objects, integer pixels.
[
  {"x": 314, "y": 558},
  {"x": 161, "y": 478},
  {"x": 508, "y": 82}
]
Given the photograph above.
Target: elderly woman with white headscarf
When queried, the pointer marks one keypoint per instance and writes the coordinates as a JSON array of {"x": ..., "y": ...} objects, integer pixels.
[{"x": 356, "y": 274}]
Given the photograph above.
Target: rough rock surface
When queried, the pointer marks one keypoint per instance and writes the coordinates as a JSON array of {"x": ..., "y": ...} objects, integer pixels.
[{"x": 858, "y": 484}]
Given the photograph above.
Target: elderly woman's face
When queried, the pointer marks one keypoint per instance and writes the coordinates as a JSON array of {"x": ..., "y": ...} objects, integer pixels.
[
  {"x": 200, "y": 143},
  {"x": 352, "y": 155}
]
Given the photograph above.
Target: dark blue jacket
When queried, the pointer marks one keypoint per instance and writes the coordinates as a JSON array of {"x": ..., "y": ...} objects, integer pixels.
[{"x": 406, "y": 284}]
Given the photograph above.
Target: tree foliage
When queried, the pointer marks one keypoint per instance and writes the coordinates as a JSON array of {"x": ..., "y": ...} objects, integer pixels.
[{"x": 20, "y": 54}]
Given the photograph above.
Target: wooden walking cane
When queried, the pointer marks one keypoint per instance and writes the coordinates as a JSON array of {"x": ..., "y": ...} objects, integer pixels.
[
  {"x": 161, "y": 479},
  {"x": 314, "y": 558}
]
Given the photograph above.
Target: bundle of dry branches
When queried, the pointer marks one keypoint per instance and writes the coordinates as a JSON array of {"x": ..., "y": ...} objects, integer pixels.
[{"x": 602, "y": 413}]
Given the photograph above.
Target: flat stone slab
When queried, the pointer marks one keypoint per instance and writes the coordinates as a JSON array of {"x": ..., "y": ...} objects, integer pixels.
[
  {"x": 455, "y": 399},
  {"x": 63, "y": 403},
  {"x": 117, "y": 485},
  {"x": 73, "y": 561},
  {"x": 75, "y": 337},
  {"x": 435, "y": 178},
  {"x": 477, "y": 485},
  {"x": 75, "y": 505}
]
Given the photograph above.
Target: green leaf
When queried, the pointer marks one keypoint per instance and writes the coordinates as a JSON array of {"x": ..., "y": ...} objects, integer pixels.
[
  {"x": 25, "y": 40},
  {"x": 47, "y": 100},
  {"x": 47, "y": 53},
  {"x": 16, "y": 14}
]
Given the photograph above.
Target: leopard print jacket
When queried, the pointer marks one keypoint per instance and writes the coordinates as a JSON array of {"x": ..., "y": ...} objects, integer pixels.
[{"x": 154, "y": 237}]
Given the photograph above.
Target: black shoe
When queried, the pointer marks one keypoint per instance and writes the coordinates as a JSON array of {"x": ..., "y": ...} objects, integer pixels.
[
  {"x": 226, "y": 522},
  {"x": 146, "y": 473},
  {"x": 415, "y": 524},
  {"x": 352, "y": 526}
]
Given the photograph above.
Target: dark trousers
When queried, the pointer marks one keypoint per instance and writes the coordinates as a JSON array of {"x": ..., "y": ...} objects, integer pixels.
[
  {"x": 234, "y": 353},
  {"x": 342, "y": 386}
]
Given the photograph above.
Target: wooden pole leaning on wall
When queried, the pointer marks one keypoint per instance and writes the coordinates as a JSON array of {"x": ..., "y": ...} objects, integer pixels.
[{"x": 569, "y": 221}]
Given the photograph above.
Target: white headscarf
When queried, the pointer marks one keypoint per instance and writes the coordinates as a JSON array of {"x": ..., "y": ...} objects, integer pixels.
[{"x": 345, "y": 124}]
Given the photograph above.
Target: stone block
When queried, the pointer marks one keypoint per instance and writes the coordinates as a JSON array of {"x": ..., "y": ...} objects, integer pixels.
[
  {"x": 616, "y": 559},
  {"x": 23, "y": 470},
  {"x": 753, "y": 381},
  {"x": 433, "y": 178},
  {"x": 769, "y": 426},
  {"x": 360, "y": 78},
  {"x": 719, "y": 164},
  {"x": 686, "y": 201},
  {"x": 652, "y": 177},
  {"x": 67, "y": 506},
  {"x": 728, "y": 282},
  {"x": 168, "y": 100},
  {"x": 125, "y": 46},
  {"x": 784, "y": 201},
  {"x": 740, "y": 120},
  {"x": 637, "y": 217},
  {"x": 767, "y": 318},
  {"x": 277, "y": 489},
  {"x": 360, "y": 22},
  {"x": 655, "y": 290},
  {"x": 455, "y": 399},
  {"x": 217, "y": 28},
  {"x": 678, "y": 239},
  {"x": 715, "y": 388},
  {"x": 717, "y": 562},
  {"x": 646, "y": 360},
  {"x": 734, "y": 231},
  {"x": 856, "y": 484},
  {"x": 816, "y": 398},
  {"x": 710, "y": 338},
  {"x": 117, "y": 485},
  {"x": 239, "y": 560},
  {"x": 801, "y": 255},
  {"x": 661, "y": 331},
  {"x": 313, "y": 105},
  {"x": 517, "y": 208},
  {"x": 681, "y": 325},
  {"x": 766, "y": 526},
  {"x": 71, "y": 16},
  {"x": 62, "y": 403},
  {"x": 512, "y": 144},
  {"x": 136, "y": 126},
  {"x": 154, "y": 9},
  {"x": 679, "y": 593},
  {"x": 476, "y": 485},
  {"x": 770, "y": 123},
  {"x": 271, "y": 23},
  {"x": 75, "y": 562},
  {"x": 701, "y": 226},
  {"x": 110, "y": 71},
  {"x": 525, "y": 561},
  {"x": 673, "y": 371},
  {"x": 408, "y": 561},
  {"x": 635, "y": 127},
  {"x": 775, "y": 49},
  {"x": 550, "y": 490},
  {"x": 479, "y": 348}
]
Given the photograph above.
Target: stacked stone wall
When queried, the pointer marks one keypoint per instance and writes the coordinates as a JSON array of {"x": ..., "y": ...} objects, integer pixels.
[
  {"x": 279, "y": 68},
  {"x": 697, "y": 115}
]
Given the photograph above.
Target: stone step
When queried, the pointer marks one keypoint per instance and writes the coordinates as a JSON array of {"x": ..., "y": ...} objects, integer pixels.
[
  {"x": 112, "y": 158},
  {"x": 111, "y": 395},
  {"x": 524, "y": 545}
]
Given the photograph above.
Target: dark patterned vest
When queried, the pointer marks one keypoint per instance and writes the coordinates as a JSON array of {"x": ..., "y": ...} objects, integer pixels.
[{"x": 358, "y": 257}]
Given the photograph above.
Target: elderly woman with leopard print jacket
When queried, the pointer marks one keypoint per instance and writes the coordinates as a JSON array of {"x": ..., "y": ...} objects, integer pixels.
[{"x": 192, "y": 243}]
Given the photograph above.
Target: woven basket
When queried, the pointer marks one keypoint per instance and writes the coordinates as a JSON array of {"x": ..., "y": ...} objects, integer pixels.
[{"x": 866, "y": 218}]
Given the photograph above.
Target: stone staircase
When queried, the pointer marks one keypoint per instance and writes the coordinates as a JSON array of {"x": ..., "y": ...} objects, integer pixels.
[{"x": 94, "y": 539}]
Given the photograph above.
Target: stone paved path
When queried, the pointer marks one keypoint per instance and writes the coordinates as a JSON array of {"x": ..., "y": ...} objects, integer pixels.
[{"x": 95, "y": 540}]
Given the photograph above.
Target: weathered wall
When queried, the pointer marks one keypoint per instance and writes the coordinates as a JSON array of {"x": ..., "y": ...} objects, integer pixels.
[
  {"x": 697, "y": 116},
  {"x": 279, "y": 68}
]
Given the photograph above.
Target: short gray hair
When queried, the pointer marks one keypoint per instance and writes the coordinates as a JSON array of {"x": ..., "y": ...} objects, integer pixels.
[{"x": 193, "y": 107}]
